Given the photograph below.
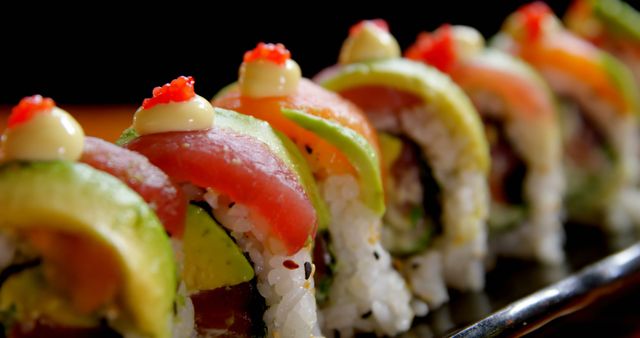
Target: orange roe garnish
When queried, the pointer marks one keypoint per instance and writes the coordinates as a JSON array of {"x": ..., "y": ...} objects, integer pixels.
[
  {"x": 533, "y": 16},
  {"x": 180, "y": 89},
  {"x": 436, "y": 49},
  {"x": 276, "y": 53},
  {"x": 28, "y": 108},
  {"x": 355, "y": 29}
]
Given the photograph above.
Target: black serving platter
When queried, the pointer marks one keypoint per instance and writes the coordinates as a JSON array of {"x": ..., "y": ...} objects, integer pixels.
[{"x": 523, "y": 297}]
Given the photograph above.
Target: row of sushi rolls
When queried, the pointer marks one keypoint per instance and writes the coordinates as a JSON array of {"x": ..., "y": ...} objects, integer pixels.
[{"x": 344, "y": 204}]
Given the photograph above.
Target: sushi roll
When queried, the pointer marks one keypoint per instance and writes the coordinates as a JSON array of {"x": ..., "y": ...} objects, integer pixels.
[
  {"x": 435, "y": 158},
  {"x": 521, "y": 124},
  {"x": 609, "y": 24},
  {"x": 598, "y": 113},
  {"x": 359, "y": 291},
  {"x": 81, "y": 253},
  {"x": 249, "y": 193}
]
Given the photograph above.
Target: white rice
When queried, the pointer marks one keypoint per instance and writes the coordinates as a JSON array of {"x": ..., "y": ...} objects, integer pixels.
[
  {"x": 419, "y": 307},
  {"x": 291, "y": 306},
  {"x": 184, "y": 321},
  {"x": 366, "y": 294},
  {"x": 183, "y": 325},
  {"x": 425, "y": 275},
  {"x": 620, "y": 129},
  {"x": 541, "y": 236}
]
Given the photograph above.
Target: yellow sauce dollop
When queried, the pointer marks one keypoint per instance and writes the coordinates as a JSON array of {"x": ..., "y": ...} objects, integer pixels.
[
  {"x": 369, "y": 44},
  {"x": 194, "y": 114},
  {"x": 263, "y": 78},
  {"x": 53, "y": 135}
]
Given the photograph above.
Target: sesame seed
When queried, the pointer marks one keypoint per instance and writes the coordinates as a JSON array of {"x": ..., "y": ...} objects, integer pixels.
[{"x": 307, "y": 270}]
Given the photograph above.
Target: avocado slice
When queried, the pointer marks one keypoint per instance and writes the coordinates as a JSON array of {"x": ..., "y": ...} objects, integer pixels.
[
  {"x": 436, "y": 89},
  {"x": 74, "y": 198},
  {"x": 127, "y": 136},
  {"x": 622, "y": 78},
  {"x": 211, "y": 258},
  {"x": 280, "y": 145},
  {"x": 619, "y": 16},
  {"x": 359, "y": 152}
]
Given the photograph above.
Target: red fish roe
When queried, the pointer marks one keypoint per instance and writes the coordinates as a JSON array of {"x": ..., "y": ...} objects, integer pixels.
[
  {"x": 28, "y": 108},
  {"x": 436, "y": 49},
  {"x": 380, "y": 23},
  {"x": 180, "y": 89},
  {"x": 276, "y": 53},
  {"x": 533, "y": 16}
]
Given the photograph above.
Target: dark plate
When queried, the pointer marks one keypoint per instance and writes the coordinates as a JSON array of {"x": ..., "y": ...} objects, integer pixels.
[{"x": 522, "y": 297}]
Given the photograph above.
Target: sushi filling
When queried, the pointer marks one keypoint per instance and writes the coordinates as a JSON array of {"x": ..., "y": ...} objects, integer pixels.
[
  {"x": 506, "y": 179},
  {"x": 234, "y": 310},
  {"x": 325, "y": 264},
  {"x": 414, "y": 211},
  {"x": 231, "y": 310},
  {"x": 589, "y": 160}
]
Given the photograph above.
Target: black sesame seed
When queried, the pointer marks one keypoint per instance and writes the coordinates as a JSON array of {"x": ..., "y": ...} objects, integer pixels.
[
  {"x": 366, "y": 314},
  {"x": 376, "y": 255},
  {"x": 308, "y": 149},
  {"x": 307, "y": 270}
]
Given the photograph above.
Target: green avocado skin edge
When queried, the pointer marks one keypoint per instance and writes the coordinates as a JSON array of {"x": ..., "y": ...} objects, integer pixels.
[
  {"x": 621, "y": 18},
  {"x": 622, "y": 79},
  {"x": 358, "y": 150},
  {"x": 75, "y": 198}
]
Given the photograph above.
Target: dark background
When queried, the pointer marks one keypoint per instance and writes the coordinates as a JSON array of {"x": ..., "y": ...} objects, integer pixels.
[{"x": 102, "y": 53}]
